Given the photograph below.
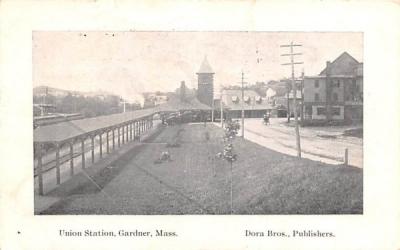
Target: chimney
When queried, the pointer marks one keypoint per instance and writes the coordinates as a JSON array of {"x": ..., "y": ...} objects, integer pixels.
[
  {"x": 328, "y": 92},
  {"x": 328, "y": 67}
]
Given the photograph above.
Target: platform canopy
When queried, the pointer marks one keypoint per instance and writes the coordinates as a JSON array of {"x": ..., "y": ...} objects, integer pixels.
[{"x": 61, "y": 132}]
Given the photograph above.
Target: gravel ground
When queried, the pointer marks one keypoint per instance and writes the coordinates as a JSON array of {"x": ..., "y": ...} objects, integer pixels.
[{"x": 195, "y": 181}]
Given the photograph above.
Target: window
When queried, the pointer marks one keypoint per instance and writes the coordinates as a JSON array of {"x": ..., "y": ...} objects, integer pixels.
[
  {"x": 320, "y": 111},
  {"x": 338, "y": 84},
  {"x": 316, "y": 83},
  {"x": 335, "y": 97},
  {"x": 235, "y": 99},
  {"x": 246, "y": 99},
  {"x": 335, "y": 111},
  {"x": 316, "y": 97},
  {"x": 308, "y": 110}
]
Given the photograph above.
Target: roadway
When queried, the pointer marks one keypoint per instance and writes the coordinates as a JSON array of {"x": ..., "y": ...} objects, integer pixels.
[{"x": 325, "y": 144}]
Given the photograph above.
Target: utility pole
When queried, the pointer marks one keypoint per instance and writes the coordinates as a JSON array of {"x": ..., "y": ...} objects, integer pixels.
[
  {"x": 42, "y": 107},
  {"x": 288, "y": 102},
  {"x": 212, "y": 111},
  {"x": 222, "y": 111},
  {"x": 292, "y": 63},
  {"x": 124, "y": 102},
  {"x": 242, "y": 104},
  {"x": 302, "y": 97}
]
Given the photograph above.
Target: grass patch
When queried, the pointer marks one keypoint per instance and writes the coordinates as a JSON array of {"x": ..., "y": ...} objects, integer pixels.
[{"x": 198, "y": 182}]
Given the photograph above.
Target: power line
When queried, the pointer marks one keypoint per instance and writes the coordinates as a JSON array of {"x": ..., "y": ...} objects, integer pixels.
[{"x": 294, "y": 87}]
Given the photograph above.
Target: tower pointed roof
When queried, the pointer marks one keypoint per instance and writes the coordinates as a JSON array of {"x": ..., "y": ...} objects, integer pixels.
[{"x": 205, "y": 67}]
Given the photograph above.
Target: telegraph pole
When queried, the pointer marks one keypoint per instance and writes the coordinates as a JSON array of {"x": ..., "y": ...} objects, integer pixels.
[
  {"x": 302, "y": 97},
  {"x": 288, "y": 103},
  {"x": 242, "y": 104},
  {"x": 124, "y": 103},
  {"x": 212, "y": 111},
  {"x": 294, "y": 87},
  {"x": 222, "y": 110}
]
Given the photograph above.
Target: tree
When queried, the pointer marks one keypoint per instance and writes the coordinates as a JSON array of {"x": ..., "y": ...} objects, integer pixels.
[{"x": 228, "y": 154}]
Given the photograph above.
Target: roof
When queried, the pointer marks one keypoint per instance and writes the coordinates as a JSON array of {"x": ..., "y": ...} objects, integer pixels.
[
  {"x": 175, "y": 104},
  {"x": 60, "y": 132},
  {"x": 217, "y": 104},
  {"x": 345, "y": 64},
  {"x": 331, "y": 76},
  {"x": 205, "y": 68},
  {"x": 279, "y": 90},
  {"x": 252, "y": 104}
]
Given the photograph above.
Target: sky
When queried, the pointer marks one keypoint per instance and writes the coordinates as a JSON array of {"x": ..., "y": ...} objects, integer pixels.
[{"x": 130, "y": 63}]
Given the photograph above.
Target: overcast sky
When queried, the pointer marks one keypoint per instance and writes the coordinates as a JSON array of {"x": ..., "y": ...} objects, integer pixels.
[{"x": 129, "y": 63}]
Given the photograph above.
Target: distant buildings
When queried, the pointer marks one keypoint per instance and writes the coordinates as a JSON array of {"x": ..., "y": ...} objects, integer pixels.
[
  {"x": 336, "y": 93},
  {"x": 40, "y": 109},
  {"x": 276, "y": 94},
  {"x": 152, "y": 99},
  {"x": 254, "y": 105}
]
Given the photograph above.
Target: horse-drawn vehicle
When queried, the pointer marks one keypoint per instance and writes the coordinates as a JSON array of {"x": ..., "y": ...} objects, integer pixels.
[{"x": 266, "y": 119}]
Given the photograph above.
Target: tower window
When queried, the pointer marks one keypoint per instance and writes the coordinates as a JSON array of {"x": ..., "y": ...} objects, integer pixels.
[{"x": 316, "y": 83}]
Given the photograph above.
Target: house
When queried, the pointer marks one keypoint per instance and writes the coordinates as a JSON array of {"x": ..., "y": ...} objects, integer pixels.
[
  {"x": 277, "y": 97},
  {"x": 152, "y": 99},
  {"x": 336, "y": 93},
  {"x": 42, "y": 109},
  {"x": 254, "y": 105}
]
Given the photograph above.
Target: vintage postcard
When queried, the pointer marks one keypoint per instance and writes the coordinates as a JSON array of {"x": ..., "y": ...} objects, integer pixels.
[
  {"x": 170, "y": 135},
  {"x": 209, "y": 132}
]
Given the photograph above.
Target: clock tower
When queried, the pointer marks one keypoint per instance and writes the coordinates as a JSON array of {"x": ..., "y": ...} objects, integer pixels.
[{"x": 205, "y": 81}]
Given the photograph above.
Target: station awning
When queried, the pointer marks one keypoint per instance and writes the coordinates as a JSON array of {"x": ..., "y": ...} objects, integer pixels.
[{"x": 61, "y": 132}]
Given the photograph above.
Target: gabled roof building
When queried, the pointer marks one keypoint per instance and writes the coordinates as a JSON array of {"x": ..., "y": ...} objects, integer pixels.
[
  {"x": 336, "y": 93},
  {"x": 254, "y": 105}
]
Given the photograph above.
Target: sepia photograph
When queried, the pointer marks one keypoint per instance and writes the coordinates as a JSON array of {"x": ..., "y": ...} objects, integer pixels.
[
  {"x": 199, "y": 125},
  {"x": 197, "y": 122}
]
